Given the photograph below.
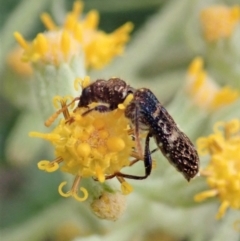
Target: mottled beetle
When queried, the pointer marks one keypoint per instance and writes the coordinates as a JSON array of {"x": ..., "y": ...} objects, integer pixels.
[{"x": 145, "y": 113}]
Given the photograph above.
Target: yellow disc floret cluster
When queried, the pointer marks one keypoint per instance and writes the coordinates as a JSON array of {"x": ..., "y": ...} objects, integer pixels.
[
  {"x": 223, "y": 170},
  {"x": 204, "y": 91},
  {"x": 76, "y": 36},
  {"x": 52, "y": 47},
  {"x": 218, "y": 22},
  {"x": 93, "y": 145}
]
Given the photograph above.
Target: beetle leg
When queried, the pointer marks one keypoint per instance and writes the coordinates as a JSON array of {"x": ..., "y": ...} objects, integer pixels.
[
  {"x": 147, "y": 163},
  {"x": 138, "y": 158},
  {"x": 99, "y": 108}
]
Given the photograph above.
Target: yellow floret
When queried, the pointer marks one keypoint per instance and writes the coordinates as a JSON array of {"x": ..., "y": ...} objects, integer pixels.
[
  {"x": 219, "y": 22},
  {"x": 223, "y": 171},
  {"x": 204, "y": 91}
]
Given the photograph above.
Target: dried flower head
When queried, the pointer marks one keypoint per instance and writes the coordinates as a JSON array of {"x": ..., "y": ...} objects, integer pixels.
[{"x": 109, "y": 206}]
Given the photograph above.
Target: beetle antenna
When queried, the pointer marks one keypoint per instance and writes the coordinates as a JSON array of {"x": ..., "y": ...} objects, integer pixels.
[{"x": 54, "y": 116}]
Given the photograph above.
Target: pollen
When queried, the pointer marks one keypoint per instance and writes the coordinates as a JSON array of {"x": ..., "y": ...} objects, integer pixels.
[
  {"x": 94, "y": 145},
  {"x": 223, "y": 170},
  {"x": 204, "y": 91},
  {"x": 77, "y": 36},
  {"x": 219, "y": 22}
]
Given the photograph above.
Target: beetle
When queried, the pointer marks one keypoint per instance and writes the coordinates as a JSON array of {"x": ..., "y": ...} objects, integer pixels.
[{"x": 145, "y": 113}]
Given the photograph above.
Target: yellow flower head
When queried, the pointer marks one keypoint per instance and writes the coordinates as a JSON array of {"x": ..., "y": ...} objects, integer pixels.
[
  {"x": 93, "y": 145},
  {"x": 223, "y": 171},
  {"x": 204, "y": 91},
  {"x": 76, "y": 36},
  {"x": 219, "y": 22}
]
